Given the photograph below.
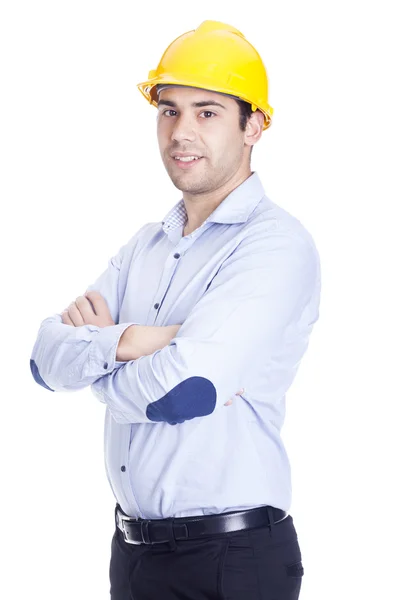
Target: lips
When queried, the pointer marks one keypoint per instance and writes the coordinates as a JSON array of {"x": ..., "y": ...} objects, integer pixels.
[{"x": 186, "y": 161}]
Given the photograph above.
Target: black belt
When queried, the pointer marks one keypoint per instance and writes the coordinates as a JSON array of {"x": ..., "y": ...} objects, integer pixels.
[{"x": 157, "y": 531}]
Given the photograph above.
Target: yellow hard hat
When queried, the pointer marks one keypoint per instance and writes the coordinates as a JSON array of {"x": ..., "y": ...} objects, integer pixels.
[{"x": 215, "y": 57}]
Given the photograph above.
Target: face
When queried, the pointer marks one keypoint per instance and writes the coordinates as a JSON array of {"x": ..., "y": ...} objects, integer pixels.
[{"x": 192, "y": 122}]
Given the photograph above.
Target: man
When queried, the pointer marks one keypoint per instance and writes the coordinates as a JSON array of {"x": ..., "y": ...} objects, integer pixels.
[{"x": 217, "y": 300}]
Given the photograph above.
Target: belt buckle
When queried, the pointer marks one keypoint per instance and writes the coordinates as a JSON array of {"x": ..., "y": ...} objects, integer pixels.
[{"x": 121, "y": 519}]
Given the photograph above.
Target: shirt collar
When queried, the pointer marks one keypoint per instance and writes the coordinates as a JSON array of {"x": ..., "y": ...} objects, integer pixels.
[{"x": 235, "y": 208}]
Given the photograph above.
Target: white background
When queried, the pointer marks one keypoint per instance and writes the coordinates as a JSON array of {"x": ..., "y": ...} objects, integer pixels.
[{"x": 81, "y": 173}]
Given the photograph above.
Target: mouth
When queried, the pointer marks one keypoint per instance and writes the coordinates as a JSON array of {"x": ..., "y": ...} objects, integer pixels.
[{"x": 186, "y": 162}]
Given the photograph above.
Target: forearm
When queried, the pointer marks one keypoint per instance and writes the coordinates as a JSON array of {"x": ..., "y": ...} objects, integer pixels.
[
  {"x": 143, "y": 340},
  {"x": 67, "y": 358}
]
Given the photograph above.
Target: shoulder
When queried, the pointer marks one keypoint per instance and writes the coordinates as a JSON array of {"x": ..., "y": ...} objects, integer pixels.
[{"x": 271, "y": 221}]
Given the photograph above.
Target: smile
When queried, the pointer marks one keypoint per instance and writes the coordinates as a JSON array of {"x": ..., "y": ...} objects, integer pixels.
[{"x": 185, "y": 162}]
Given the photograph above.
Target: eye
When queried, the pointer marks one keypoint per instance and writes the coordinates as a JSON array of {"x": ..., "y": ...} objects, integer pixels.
[
  {"x": 169, "y": 111},
  {"x": 207, "y": 114}
]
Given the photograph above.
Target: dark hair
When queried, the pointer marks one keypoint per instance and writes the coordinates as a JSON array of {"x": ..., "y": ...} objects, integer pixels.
[{"x": 245, "y": 112}]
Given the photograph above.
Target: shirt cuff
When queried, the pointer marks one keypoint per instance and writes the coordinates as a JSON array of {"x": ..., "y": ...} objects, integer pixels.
[{"x": 103, "y": 349}]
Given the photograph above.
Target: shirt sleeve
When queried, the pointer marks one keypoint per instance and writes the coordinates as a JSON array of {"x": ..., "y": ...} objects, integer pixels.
[
  {"x": 258, "y": 295},
  {"x": 66, "y": 358}
]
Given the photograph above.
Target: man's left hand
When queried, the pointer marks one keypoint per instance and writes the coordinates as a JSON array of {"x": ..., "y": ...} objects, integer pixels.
[{"x": 89, "y": 309}]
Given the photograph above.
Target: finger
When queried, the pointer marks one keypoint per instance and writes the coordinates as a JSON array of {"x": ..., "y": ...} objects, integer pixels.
[
  {"x": 86, "y": 309},
  {"x": 89, "y": 298},
  {"x": 239, "y": 392},
  {"x": 75, "y": 315},
  {"x": 65, "y": 318},
  {"x": 99, "y": 303},
  {"x": 228, "y": 403}
]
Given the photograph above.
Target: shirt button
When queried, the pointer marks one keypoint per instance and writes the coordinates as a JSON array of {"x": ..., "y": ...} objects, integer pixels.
[
  {"x": 123, "y": 468},
  {"x": 177, "y": 255},
  {"x": 105, "y": 366},
  {"x": 156, "y": 305}
]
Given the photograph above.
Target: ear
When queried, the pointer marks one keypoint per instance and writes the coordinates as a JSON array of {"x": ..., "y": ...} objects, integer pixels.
[{"x": 254, "y": 128}]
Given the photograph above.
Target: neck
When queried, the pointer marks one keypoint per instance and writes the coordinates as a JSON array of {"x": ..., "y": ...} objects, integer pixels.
[{"x": 200, "y": 206}]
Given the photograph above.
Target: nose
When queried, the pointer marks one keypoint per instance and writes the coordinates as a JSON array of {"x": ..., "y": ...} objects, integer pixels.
[{"x": 184, "y": 129}]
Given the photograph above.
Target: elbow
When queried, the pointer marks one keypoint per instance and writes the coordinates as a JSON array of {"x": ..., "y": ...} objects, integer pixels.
[
  {"x": 194, "y": 397},
  {"x": 37, "y": 377}
]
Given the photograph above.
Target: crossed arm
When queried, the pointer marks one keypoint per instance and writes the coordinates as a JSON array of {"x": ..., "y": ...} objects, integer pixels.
[
  {"x": 136, "y": 340},
  {"x": 257, "y": 304}
]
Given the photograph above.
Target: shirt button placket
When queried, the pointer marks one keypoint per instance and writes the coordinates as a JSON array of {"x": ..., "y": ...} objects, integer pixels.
[{"x": 125, "y": 479}]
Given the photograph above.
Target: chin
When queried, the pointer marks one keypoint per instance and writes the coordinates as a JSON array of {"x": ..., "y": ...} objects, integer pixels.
[
  {"x": 183, "y": 187},
  {"x": 184, "y": 183},
  {"x": 191, "y": 187}
]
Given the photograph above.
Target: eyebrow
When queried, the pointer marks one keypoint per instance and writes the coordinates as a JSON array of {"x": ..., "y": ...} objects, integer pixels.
[{"x": 194, "y": 104}]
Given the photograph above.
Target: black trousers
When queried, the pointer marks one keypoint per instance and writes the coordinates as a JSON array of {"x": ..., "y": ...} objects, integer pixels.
[{"x": 254, "y": 564}]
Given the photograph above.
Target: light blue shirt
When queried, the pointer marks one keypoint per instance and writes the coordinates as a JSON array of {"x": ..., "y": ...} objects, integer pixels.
[{"x": 245, "y": 286}]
